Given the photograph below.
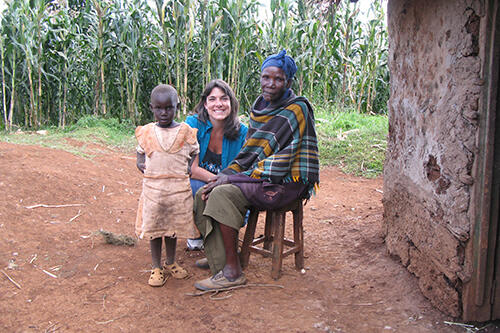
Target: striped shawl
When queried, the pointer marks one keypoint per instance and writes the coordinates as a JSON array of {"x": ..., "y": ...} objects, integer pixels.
[{"x": 281, "y": 145}]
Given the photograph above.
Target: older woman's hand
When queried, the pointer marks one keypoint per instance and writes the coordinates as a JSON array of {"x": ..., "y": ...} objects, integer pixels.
[{"x": 219, "y": 179}]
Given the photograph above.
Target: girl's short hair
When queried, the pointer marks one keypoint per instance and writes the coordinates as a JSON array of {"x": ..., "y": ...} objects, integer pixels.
[{"x": 232, "y": 122}]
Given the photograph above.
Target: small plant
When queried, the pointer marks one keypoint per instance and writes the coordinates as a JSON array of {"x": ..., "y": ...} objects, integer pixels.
[
  {"x": 64, "y": 60},
  {"x": 94, "y": 135},
  {"x": 355, "y": 142}
]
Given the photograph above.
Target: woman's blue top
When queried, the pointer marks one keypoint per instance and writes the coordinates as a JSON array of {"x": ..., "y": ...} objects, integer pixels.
[{"x": 230, "y": 148}]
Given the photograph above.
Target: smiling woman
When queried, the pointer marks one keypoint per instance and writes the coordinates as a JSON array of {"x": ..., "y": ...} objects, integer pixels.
[
  {"x": 218, "y": 105},
  {"x": 220, "y": 132},
  {"x": 220, "y": 135}
]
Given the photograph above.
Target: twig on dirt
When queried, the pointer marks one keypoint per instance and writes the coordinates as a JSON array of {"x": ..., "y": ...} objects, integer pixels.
[
  {"x": 479, "y": 329},
  {"x": 33, "y": 258},
  {"x": 212, "y": 297},
  {"x": 49, "y": 274},
  {"x": 215, "y": 292},
  {"x": 108, "y": 321},
  {"x": 380, "y": 191},
  {"x": 105, "y": 287},
  {"x": 128, "y": 157},
  {"x": 11, "y": 279},
  {"x": 359, "y": 304},
  {"x": 53, "y": 206},
  {"x": 76, "y": 216},
  {"x": 468, "y": 328},
  {"x": 51, "y": 328},
  {"x": 459, "y": 324},
  {"x": 483, "y": 327}
]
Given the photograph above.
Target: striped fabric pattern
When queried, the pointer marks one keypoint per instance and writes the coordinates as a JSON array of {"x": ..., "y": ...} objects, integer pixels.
[{"x": 281, "y": 145}]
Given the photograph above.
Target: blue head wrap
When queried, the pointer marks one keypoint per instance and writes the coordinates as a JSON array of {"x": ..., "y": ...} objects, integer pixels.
[{"x": 282, "y": 61}]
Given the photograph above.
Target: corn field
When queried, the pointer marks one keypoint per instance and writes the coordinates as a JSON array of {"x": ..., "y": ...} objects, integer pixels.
[{"x": 61, "y": 60}]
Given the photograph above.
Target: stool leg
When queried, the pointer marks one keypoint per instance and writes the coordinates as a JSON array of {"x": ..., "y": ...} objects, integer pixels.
[
  {"x": 248, "y": 238},
  {"x": 268, "y": 231},
  {"x": 279, "y": 234},
  {"x": 298, "y": 236}
]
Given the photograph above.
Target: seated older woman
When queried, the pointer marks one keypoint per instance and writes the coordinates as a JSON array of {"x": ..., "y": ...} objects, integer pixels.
[{"x": 277, "y": 165}]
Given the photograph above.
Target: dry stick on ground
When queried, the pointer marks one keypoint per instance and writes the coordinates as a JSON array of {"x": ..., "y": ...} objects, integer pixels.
[
  {"x": 11, "y": 279},
  {"x": 105, "y": 287},
  {"x": 468, "y": 327},
  {"x": 33, "y": 258},
  {"x": 108, "y": 321},
  {"x": 49, "y": 274},
  {"x": 215, "y": 292},
  {"x": 51, "y": 328},
  {"x": 359, "y": 304},
  {"x": 74, "y": 217},
  {"x": 53, "y": 206}
]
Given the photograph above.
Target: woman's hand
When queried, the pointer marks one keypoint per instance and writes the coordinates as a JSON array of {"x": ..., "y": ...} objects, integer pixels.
[{"x": 217, "y": 180}]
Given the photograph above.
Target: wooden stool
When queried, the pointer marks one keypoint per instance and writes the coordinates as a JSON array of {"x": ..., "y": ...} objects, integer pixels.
[{"x": 274, "y": 233}]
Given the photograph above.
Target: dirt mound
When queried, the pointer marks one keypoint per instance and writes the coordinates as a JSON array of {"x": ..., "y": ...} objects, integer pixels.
[{"x": 58, "y": 275}]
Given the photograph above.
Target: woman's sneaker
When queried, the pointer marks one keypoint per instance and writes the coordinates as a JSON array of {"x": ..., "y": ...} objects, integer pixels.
[
  {"x": 219, "y": 281},
  {"x": 195, "y": 244}
]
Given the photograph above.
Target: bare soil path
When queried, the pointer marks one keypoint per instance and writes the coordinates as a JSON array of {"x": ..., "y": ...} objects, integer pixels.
[{"x": 71, "y": 281}]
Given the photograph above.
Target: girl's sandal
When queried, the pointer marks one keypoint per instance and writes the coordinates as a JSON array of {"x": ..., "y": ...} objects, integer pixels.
[
  {"x": 176, "y": 271},
  {"x": 157, "y": 278}
]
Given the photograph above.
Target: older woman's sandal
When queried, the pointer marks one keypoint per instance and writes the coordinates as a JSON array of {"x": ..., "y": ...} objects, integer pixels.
[
  {"x": 157, "y": 278},
  {"x": 176, "y": 271}
]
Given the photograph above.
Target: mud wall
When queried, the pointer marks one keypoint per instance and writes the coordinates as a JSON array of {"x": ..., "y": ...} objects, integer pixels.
[{"x": 433, "y": 124}]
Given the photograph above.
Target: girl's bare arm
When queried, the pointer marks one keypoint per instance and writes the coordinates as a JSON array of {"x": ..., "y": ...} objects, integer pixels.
[
  {"x": 200, "y": 173},
  {"x": 141, "y": 162}
]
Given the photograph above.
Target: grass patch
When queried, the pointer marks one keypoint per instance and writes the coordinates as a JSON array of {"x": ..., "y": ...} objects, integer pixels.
[
  {"x": 354, "y": 142},
  {"x": 89, "y": 132}
]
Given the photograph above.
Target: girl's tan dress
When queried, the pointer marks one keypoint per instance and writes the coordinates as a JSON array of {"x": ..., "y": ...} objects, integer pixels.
[{"x": 166, "y": 202}]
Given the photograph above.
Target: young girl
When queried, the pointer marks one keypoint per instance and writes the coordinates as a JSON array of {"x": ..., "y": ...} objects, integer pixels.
[{"x": 166, "y": 203}]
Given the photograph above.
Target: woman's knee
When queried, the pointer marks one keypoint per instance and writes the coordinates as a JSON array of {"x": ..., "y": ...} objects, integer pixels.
[
  {"x": 223, "y": 192},
  {"x": 198, "y": 205},
  {"x": 197, "y": 195},
  {"x": 196, "y": 184},
  {"x": 228, "y": 193}
]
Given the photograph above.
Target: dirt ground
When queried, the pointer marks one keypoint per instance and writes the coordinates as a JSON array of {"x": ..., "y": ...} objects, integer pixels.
[{"x": 58, "y": 276}]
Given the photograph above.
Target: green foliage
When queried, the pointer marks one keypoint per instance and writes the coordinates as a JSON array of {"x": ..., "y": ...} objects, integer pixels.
[
  {"x": 92, "y": 134},
  {"x": 107, "y": 124},
  {"x": 76, "y": 67},
  {"x": 106, "y": 131},
  {"x": 62, "y": 61},
  {"x": 355, "y": 142}
]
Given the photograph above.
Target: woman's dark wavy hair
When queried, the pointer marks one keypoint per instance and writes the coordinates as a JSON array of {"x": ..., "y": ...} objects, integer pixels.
[{"x": 232, "y": 122}]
